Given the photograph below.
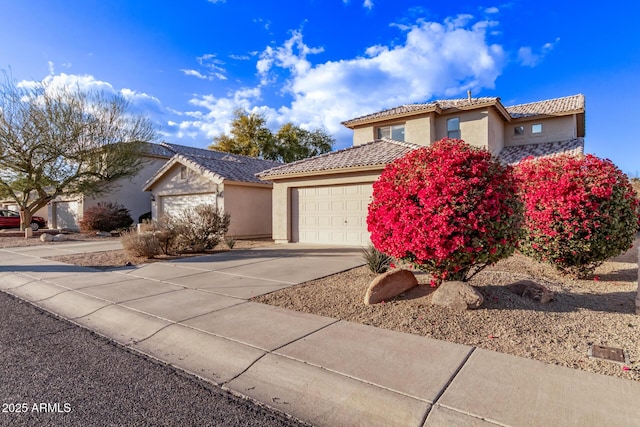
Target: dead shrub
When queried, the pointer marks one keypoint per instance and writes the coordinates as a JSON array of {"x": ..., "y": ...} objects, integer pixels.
[
  {"x": 144, "y": 244},
  {"x": 198, "y": 229}
]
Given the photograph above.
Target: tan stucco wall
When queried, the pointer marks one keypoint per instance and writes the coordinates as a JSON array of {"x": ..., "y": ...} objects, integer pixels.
[
  {"x": 473, "y": 127},
  {"x": 128, "y": 192},
  {"x": 282, "y": 196},
  {"x": 250, "y": 210},
  {"x": 496, "y": 126},
  {"x": 363, "y": 135},
  {"x": 420, "y": 130},
  {"x": 553, "y": 129}
]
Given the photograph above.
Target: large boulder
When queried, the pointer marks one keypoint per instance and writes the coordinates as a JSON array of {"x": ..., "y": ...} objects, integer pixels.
[
  {"x": 457, "y": 296},
  {"x": 388, "y": 285},
  {"x": 59, "y": 238}
]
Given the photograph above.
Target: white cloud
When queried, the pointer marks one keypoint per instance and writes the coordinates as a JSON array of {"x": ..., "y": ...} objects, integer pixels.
[
  {"x": 529, "y": 58},
  {"x": 194, "y": 73},
  {"x": 492, "y": 10},
  {"x": 368, "y": 4},
  {"x": 434, "y": 60},
  {"x": 431, "y": 60}
]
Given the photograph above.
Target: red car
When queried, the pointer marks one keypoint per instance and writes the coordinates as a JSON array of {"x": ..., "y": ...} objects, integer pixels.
[{"x": 11, "y": 219}]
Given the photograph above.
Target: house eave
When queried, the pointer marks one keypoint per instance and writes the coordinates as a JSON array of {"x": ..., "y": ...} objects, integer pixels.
[{"x": 355, "y": 169}]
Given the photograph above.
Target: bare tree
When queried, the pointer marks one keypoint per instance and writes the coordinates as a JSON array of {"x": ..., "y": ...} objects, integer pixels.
[{"x": 58, "y": 141}]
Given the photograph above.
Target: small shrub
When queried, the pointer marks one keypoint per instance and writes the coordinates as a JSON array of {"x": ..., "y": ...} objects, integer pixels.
[
  {"x": 376, "y": 260},
  {"x": 140, "y": 244},
  {"x": 199, "y": 228},
  {"x": 449, "y": 209},
  {"x": 105, "y": 217},
  {"x": 230, "y": 242},
  {"x": 579, "y": 212}
]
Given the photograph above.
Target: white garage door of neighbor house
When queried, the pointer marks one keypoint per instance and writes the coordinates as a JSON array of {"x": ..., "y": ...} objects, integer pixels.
[
  {"x": 174, "y": 205},
  {"x": 331, "y": 214},
  {"x": 67, "y": 215}
]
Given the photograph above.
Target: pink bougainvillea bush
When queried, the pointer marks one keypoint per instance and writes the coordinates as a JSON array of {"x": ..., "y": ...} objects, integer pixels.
[
  {"x": 579, "y": 211},
  {"x": 449, "y": 209}
]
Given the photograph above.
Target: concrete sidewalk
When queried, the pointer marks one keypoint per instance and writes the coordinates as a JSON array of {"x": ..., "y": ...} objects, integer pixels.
[{"x": 196, "y": 315}]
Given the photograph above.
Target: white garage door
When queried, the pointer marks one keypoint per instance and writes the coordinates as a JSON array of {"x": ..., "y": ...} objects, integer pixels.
[
  {"x": 174, "y": 205},
  {"x": 67, "y": 215},
  {"x": 331, "y": 214}
]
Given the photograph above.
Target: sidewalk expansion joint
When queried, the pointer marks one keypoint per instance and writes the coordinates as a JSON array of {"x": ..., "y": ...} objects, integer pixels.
[
  {"x": 446, "y": 386},
  {"x": 477, "y": 417}
]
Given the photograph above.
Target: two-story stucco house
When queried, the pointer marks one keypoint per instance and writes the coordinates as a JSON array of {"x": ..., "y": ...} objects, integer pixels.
[{"x": 324, "y": 199}]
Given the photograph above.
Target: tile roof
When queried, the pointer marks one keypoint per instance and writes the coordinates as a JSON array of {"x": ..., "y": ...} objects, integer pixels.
[
  {"x": 233, "y": 167},
  {"x": 567, "y": 104},
  {"x": 515, "y": 154},
  {"x": 444, "y": 104},
  {"x": 555, "y": 106},
  {"x": 378, "y": 152},
  {"x": 383, "y": 151},
  {"x": 240, "y": 170},
  {"x": 157, "y": 150}
]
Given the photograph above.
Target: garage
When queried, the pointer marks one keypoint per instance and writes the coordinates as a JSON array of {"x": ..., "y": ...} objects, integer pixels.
[
  {"x": 65, "y": 215},
  {"x": 333, "y": 214},
  {"x": 175, "y": 204}
]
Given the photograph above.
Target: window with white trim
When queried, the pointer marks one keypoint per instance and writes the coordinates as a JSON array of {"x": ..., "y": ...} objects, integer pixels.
[
  {"x": 395, "y": 132},
  {"x": 453, "y": 128},
  {"x": 536, "y": 129}
]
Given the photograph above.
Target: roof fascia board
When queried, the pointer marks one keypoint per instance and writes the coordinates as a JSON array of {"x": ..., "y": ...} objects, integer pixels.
[{"x": 369, "y": 168}]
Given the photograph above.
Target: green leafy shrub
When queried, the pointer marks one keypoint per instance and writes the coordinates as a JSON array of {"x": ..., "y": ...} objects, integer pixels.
[
  {"x": 376, "y": 260},
  {"x": 144, "y": 244},
  {"x": 199, "y": 228},
  {"x": 105, "y": 217},
  {"x": 579, "y": 212},
  {"x": 449, "y": 209}
]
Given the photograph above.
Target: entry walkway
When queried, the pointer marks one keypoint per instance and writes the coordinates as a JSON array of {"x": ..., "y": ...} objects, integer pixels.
[{"x": 196, "y": 314}]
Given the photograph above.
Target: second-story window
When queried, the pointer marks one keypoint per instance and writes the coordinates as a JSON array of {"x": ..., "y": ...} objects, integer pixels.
[
  {"x": 453, "y": 128},
  {"x": 518, "y": 131},
  {"x": 395, "y": 132},
  {"x": 536, "y": 129}
]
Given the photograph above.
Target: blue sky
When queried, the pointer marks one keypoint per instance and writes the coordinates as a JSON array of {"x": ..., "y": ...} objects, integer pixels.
[{"x": 188, "y": 64}]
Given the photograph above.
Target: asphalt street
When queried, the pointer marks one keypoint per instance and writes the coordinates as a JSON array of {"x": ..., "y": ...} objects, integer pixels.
[{"x": 54, "y": 373}]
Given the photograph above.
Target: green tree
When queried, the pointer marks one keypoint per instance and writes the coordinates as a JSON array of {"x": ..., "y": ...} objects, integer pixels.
[
  {"x": 251, "y": 137},
  {"x": 294, "y": 143},
  {"x": 65, "y": 141},
  {"x": 249, "y": 133}
]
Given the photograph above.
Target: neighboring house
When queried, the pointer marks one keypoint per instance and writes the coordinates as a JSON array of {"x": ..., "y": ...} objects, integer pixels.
[
  {"x": 324, "y": 199},
  {"x": 66, "y": 212},
  {"x": 196, "y": 176}
]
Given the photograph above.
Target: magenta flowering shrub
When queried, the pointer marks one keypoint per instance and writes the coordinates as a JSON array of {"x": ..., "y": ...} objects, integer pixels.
[
  {"x": 579, "y": 211},
  {"x": 449, "y": 209}
]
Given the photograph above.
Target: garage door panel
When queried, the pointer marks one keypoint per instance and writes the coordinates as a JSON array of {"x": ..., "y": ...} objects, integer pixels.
[
  {"x": 331, "y": 214},
  {"x": 174, "y": 205}
]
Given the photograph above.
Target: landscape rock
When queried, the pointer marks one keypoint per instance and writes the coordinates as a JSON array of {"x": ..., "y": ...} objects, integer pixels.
[
  {"x": 532, "y": 290},
  {"x": 59, "y": 238},
  {"x": 388, "y": 285},
  {"x": 457, "y": 296},
  {"x": 103, "y": 234},
  {"x": 46, "y": 237}
]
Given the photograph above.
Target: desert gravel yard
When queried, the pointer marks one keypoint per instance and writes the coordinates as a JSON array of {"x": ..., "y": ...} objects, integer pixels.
[{"x": 599, "y": 311}]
